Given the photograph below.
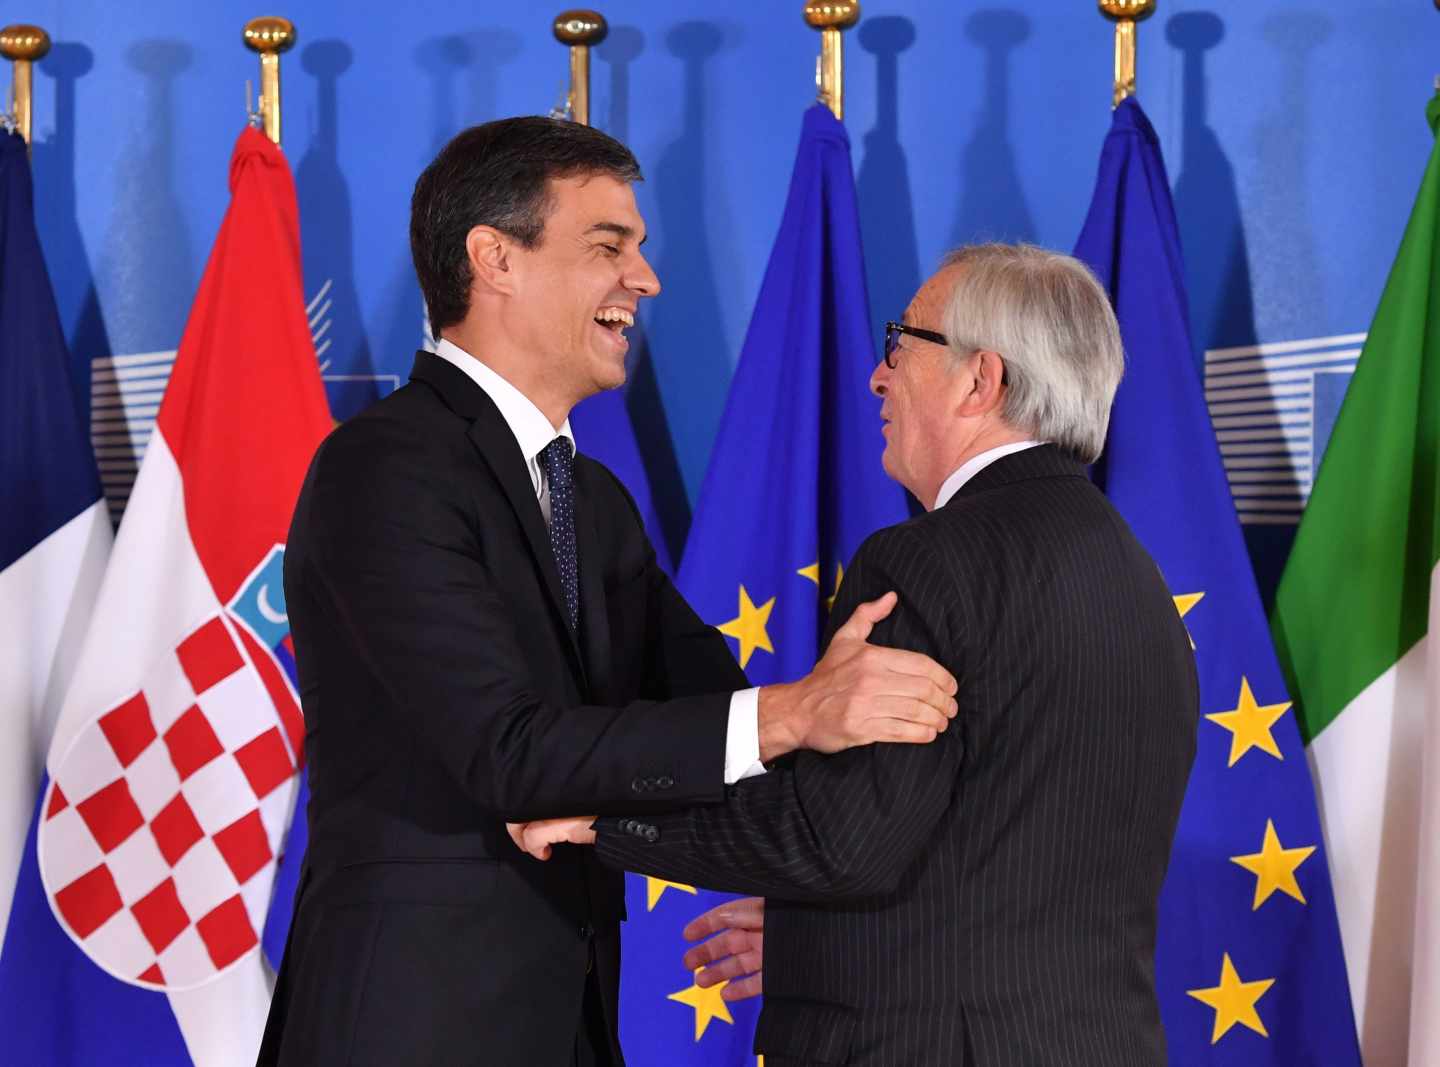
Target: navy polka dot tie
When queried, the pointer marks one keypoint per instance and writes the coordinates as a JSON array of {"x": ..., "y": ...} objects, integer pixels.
[{"x": 558, "y": 462}]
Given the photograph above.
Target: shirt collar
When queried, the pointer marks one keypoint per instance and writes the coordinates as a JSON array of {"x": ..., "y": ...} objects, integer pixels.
[
  {"x": 528, "y": 424},
  {"x": 974, "y": 465}
]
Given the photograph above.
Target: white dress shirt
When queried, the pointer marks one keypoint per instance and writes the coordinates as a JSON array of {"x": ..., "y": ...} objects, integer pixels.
[
  {"x": 973, "y": 466},
  {"x": 533, "y": 431}
]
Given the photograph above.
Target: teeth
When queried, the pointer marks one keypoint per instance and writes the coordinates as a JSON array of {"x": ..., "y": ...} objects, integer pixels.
[{"x": 615, "y": 315}]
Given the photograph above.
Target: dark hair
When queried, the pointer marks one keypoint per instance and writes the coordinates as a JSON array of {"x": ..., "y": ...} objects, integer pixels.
[{"x": 497, "y": 175}]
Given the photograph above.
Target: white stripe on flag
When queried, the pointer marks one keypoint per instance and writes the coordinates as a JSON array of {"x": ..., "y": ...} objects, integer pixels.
[
  {"x": 45, "y": 601},
  {"x": 1366, "y": 768},
  {"x": 1425, "y": 993}
]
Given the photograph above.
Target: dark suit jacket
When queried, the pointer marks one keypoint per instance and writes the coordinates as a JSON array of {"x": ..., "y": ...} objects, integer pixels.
[
  {"x": 444, "y": 693},
  {"x": 990, "y": 898}
]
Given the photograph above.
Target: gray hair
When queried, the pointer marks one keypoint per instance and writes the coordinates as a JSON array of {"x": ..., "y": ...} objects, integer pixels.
[{"x": 1052, "y": 324}]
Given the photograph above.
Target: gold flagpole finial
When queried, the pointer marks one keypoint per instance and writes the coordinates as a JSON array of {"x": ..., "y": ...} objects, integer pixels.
[
  {"x": 23, "y": 45},
  {"x": 580, "y": 30},
  {"x": 1125, "y": 14},
  {"x": 831, "y": 18},
  {"x": 270, "y": 36}
]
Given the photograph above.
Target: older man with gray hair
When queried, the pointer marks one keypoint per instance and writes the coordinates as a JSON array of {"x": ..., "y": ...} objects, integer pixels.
[{"x": 989, "y": 899}]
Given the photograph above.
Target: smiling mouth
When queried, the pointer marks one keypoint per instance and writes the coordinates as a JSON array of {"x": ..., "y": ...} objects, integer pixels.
[{"x": 615, "y": 319}]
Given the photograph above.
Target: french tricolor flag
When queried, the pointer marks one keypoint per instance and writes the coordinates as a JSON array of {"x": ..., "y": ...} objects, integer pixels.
[
  {"x": 155, "y": 884},
  {"x": 54, "y": 529}
]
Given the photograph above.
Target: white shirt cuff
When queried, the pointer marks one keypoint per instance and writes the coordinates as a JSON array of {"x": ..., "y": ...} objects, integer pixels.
[{"x": 742, "y": 737}]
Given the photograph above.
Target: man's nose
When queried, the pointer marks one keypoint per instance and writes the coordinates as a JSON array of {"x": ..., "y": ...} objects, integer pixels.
[
  {"x": 640, "y": 278},
  {"x": 880, "y": 378}
]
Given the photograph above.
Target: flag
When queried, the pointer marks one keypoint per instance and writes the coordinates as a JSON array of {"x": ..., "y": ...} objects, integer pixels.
[
  {"x": 603, "y": 431},
  {"x": 1351, "y": 622},
  {"x": 794, "y": 485},
  {"x": 149, "y": 875},
  {"x": 55, "y": 532},
  {"x": 1248, "y": 963}
]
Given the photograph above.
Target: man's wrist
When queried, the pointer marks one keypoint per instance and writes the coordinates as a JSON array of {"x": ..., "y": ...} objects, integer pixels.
[{"x": 777, "y": 720}]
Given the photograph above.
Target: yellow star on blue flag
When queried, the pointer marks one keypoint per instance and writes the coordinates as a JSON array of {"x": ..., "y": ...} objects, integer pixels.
[
  {"x": 708, "y": 1004},
  {"x": 749, "y": 627}
]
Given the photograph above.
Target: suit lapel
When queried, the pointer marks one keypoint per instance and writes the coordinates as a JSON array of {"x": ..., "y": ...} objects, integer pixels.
[{"x": 497, "y": 447}]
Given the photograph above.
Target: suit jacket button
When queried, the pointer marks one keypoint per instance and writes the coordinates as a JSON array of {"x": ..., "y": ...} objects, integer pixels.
[
  {"x": 652, "y": 834},
  {"x": 665, "y": 781},
  {"x": 586, "y": 931}
]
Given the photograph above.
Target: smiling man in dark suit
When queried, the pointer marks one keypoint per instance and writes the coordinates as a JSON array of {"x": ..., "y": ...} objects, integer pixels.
[
  {"x": 990, "y": 899},
  {"x": 482, "y": 634}
]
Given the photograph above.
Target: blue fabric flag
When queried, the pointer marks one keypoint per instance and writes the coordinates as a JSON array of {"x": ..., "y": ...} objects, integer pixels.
[
  {"x": 603, "y": 431},
  {"x": 1248, "y": 960},
  {"x": 794, "y": 485}
]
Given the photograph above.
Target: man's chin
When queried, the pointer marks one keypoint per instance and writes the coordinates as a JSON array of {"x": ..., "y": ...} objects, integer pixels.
[{"x": 608, "y": 377}]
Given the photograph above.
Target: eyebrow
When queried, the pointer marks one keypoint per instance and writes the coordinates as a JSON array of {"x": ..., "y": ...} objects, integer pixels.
[{"x": 617, "y": 228}]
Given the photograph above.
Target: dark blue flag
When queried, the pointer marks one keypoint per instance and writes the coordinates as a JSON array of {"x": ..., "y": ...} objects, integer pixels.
[
  {"x": 603, "y": 431},
  {"x": 1248, "y": 960},
  {"x": 794, "y": 485}
]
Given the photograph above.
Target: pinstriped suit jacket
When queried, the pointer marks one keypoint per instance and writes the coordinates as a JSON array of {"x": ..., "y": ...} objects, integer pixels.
[{"x": 990, "y": 898}]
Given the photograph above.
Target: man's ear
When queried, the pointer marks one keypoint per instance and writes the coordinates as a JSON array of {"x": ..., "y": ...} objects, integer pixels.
[
  {"x": 987, "y": 384},
  {"x": 489, "y": 253}
]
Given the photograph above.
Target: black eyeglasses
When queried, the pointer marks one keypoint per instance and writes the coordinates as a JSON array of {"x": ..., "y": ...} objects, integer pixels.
[{"x": 893, "y": 330}]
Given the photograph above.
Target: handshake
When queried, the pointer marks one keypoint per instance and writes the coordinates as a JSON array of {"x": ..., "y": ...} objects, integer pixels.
[{"x": 733, "y": 955}]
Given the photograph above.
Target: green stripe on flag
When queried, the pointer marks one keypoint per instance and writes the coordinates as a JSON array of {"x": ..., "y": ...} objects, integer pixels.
[{"x": 1356, "y": 589}]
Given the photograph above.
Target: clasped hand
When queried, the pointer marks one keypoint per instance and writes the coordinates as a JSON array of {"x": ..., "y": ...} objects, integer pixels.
[
  {"x": 732, "y": 956},
  {"x": 539, "y": 837}
]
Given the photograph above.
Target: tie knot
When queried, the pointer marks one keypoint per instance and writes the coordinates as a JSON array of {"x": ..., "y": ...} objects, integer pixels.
[{"x": 557, "y": 460}]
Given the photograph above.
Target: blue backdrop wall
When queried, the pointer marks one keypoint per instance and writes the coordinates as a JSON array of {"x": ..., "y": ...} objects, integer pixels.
[{"x": 1294, "y": 134}]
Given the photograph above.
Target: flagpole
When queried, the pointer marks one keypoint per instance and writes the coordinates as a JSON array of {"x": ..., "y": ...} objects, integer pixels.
[
  {"x": 270, "y": 36},
  {"x": 23, "y": 45},
  {"x": 580, "y": 29},
  {"x": 831, "y": 18},
  {"x": 1125, "y": 13}
]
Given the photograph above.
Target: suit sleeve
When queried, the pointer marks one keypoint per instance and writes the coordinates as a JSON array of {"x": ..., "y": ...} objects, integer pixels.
[
  {"x": 392, "y": 557},
  {"x": 820, "y": 827}
]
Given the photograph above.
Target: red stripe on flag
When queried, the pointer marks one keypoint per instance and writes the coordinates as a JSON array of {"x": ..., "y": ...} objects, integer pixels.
[{"x": 245, "y": 407}]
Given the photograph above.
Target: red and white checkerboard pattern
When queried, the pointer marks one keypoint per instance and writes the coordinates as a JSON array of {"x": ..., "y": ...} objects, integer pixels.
[{"x": 163, "y": 821}]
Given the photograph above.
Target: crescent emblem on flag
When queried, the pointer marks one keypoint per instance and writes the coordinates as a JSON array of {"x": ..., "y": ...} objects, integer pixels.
[{"x": 263, "y": 603}]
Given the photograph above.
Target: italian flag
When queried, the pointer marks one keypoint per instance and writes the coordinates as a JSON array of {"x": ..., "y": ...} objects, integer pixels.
[{"x": 1352, "y": 626}]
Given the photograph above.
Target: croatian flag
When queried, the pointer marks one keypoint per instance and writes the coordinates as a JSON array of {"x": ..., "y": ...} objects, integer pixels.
[{"x": 150, "y": 876}]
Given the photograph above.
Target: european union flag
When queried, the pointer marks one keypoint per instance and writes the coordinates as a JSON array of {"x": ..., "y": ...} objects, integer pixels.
[
  {"x": 1248, "y": 961},
  {"x": 794, "y": 485}
]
